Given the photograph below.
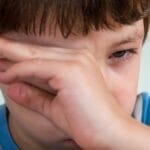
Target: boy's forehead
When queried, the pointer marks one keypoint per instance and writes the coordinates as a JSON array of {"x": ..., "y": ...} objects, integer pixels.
[
  {"x": 123, "y": 34},
  {"x": 130, "y": 33}
]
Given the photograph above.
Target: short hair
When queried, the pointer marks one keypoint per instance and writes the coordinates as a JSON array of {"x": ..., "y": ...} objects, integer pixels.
[{"x": 70, "y": 16}]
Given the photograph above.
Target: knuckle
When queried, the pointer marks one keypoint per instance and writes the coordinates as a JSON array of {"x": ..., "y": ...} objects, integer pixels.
[
  {"x": 76, "y": 67},
  {"x": 33, "y": 52},
  {"x": 82, "y": 60},
  {"x": 85, "y": 56},
  {"x": 37, "y": 61},
  {"x": 81, "y": 56}
]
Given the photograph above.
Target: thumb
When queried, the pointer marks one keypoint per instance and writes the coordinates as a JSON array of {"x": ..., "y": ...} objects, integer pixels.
[{"x": 29, "y": 96}]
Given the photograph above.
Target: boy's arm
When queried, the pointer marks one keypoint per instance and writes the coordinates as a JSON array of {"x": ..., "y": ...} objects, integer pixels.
[
  {"x": 133, "y": 135},
  {"x": 110, "y": 127}
]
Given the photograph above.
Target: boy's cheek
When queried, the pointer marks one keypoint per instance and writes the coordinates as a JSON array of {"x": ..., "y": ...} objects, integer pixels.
[
  {"x": 123, "y": 86},
  {"x": 127, "y": 100},
  {"x": 125, "y": 94}
]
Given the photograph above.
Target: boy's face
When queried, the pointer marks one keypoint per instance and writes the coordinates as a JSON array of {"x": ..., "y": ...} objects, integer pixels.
[{"x": 117, "y": 53}]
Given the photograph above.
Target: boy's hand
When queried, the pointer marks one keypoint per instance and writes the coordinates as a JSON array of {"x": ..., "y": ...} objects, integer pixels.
[{"x": 82, "y": 105}]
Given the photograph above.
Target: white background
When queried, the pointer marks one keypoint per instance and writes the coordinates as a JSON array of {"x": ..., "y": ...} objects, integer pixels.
[{"x": 144, "y": 80}]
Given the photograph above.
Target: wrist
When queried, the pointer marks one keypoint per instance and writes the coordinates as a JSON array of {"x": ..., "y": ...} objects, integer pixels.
[
  {"x": 131, "y": 135},
  {"x": 119, "y": 134}
]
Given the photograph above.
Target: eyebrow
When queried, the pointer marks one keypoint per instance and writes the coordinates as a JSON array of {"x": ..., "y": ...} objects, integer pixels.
[{"x": 130, "y": 38}]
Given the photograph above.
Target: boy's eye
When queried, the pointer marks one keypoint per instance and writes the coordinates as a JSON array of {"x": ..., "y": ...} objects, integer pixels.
[
  {"x": 119, "y": 54},
  {"x": 122, "y": 55}
]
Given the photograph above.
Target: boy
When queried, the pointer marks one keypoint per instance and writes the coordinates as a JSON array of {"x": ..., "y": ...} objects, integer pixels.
[{"x": 69, "y": 71}]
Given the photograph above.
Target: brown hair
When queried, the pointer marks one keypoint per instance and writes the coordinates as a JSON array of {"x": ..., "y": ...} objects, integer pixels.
[{"x": 70, "y": 16}]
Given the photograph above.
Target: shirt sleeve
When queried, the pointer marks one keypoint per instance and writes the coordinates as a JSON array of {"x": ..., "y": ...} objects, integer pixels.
[{"x": 146, "y": 108}]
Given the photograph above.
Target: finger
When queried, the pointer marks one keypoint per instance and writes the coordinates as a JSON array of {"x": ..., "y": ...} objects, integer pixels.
[
  {"x": 29, "y": 96},
  {"x": 41, "y": 69},
  {"x": 37, "y": 100},
  {"x": 5, "y": 64},
  {"x": 40, "y": 84},
  {"x": 16, "y": 51},
  {"x": 34, "y": 99}
]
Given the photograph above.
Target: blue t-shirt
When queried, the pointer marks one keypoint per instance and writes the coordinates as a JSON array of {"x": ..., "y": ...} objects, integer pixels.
[
  {"x": 141, "y": 112},
  {"x": 6, "y": 140}
]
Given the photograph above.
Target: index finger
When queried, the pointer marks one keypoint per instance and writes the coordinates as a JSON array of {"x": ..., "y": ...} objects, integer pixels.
[
  {"x": 12, "y": 50},
  {"x": 16, "y": 51}
]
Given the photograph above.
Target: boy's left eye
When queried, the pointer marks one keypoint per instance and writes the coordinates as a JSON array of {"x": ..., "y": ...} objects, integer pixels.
[
  {"x": 122, "y": 55},
  {"x": 119, "y": 54}
]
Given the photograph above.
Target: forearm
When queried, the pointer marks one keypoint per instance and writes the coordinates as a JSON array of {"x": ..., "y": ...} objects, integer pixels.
[
  {"x": 133, "y": 136},
  {"x": 128, "y": 134}
]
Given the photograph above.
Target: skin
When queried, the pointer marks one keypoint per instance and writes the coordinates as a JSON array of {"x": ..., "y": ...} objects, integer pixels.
[{"x": 116, "y": 79}]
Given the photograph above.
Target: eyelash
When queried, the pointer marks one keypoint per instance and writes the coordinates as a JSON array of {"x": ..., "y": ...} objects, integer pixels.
[{"x": 123, "y": 55}]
